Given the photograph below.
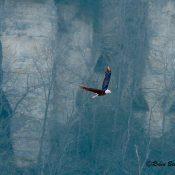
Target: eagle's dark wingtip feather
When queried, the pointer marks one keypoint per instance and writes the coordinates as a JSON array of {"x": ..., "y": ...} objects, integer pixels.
[{"x": 83, "y": 87}]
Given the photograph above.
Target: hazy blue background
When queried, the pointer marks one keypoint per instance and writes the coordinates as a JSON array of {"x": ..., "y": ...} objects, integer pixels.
[{"x": 48, "y": 125}]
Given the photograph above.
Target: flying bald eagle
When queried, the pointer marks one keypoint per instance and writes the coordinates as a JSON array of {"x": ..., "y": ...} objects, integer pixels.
[{"x": 104, "y": 90}]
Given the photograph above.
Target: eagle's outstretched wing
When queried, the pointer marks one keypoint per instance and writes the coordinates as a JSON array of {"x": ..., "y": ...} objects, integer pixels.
[
  {"x": 98, "y": 91},
  {"x": 106, "y": 79}
]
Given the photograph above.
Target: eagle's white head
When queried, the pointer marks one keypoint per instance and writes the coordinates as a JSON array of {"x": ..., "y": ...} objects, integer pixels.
[{"x": 107, "y": 91}]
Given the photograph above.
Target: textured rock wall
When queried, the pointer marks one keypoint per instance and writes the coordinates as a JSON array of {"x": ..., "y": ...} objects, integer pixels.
[
  {"x": 158, "y": 80},
  {"x": 28, "y": 30},
  {"x": 64, "y": 44},
  {"x": 75, "y": 60}
]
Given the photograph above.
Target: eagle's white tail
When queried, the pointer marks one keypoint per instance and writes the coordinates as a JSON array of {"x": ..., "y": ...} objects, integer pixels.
[{"x": 95, "y": 96}]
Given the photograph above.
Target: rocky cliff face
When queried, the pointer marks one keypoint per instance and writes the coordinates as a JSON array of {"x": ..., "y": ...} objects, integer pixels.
[
  {"x": 158, "y": 80},
  {"x": 27, "y": 35},
  {"x": 75, "y": 60},
  {"x": 35, "y": 35},
  {"x": 52, "y": 47}
]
